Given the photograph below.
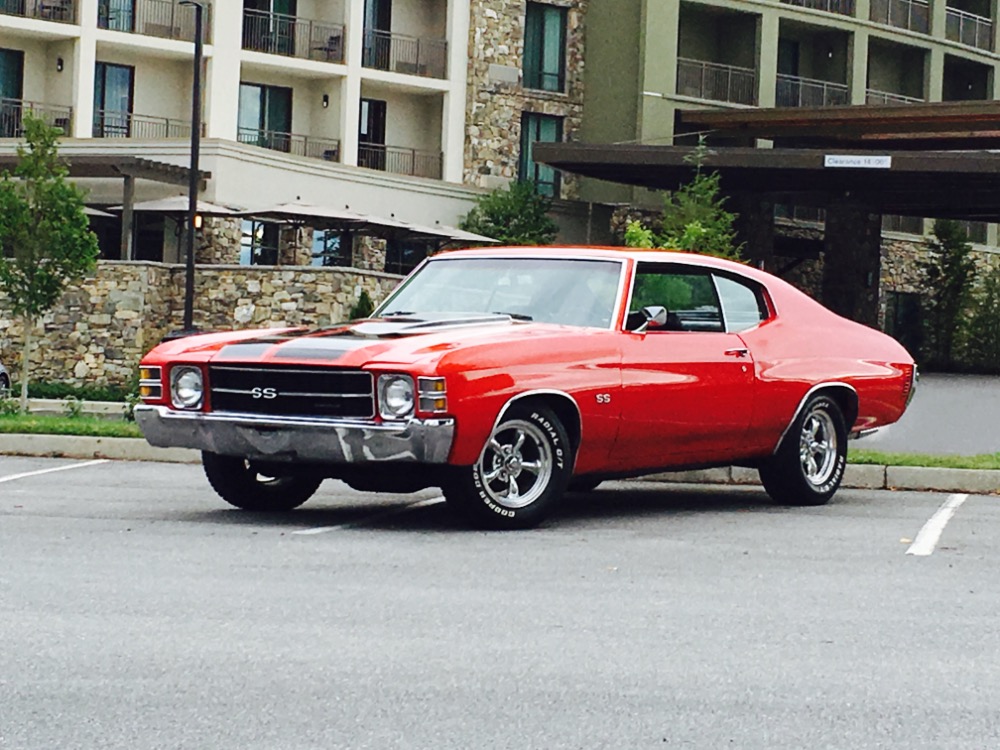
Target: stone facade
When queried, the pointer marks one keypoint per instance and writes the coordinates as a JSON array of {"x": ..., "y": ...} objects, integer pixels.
[
  {"x": 497, "y": 97},
  {"x": 107, "y": 321}
]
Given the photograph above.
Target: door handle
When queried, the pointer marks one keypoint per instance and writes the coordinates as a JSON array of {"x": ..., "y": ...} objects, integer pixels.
[{"x": 736, "y": 352}]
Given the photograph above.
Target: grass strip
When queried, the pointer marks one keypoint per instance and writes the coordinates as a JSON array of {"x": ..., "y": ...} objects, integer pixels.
[
  {"x": 878, "y": 458},
  {"x": 43, "y": 424}
]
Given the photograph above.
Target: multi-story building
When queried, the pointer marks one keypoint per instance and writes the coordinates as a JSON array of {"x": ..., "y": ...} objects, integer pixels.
[
  {"x": 403, "y": 109},
  {"x": 698, "y": 54}
]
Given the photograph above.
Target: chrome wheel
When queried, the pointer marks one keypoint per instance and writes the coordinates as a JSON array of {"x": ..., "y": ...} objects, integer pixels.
[
  {"x": 818, "y": 447},
  {"x": 516, "y": 465}
]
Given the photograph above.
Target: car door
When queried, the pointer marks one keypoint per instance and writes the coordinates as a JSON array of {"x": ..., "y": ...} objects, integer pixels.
[{"x": 687, "y": 387}]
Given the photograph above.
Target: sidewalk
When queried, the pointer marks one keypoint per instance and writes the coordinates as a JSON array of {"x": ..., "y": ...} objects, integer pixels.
[{"x": 857, "y": 476}]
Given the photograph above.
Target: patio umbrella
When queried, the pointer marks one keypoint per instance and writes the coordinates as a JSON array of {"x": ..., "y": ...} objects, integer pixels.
[{"x": 96, "y": 212}]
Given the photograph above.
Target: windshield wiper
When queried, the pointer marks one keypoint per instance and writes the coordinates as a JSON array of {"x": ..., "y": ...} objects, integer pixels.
[{"x": 515, "y": 316}]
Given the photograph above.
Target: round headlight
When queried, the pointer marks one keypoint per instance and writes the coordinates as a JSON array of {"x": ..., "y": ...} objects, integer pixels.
[
  {"x": 186, "y": 387},
  {"x": 395, "y": 396}
]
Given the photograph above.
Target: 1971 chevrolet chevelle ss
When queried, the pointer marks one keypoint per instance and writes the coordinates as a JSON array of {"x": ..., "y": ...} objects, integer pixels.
[{"x": 509, "y": 376}]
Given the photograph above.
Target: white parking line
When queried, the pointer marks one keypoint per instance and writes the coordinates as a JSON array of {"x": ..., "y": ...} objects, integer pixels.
[
  {"x": 928, "y": 537},
  {"x": 27, "y": 474},
  {"x": 372, "y": 519}
]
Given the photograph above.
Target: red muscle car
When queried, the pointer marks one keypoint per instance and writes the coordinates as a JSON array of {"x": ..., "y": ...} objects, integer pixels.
[{"x": 509, "y": 376}]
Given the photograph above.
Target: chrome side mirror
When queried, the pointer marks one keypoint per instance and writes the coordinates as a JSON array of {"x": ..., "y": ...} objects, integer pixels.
[{"x": 656, "y": 317}]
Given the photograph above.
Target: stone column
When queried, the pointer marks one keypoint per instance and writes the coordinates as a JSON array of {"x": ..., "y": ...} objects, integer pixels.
[
  {"x": 754, "y": 228},
  {"x": 368, "y": 253},
  {"x": 852, "y": 261}
]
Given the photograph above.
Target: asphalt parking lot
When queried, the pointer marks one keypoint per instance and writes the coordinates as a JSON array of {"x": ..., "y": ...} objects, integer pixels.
[{"x": 140, "y": 612}]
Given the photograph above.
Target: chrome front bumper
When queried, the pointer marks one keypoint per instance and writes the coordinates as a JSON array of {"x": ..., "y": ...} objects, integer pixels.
[{"x": 298, "y": 438}]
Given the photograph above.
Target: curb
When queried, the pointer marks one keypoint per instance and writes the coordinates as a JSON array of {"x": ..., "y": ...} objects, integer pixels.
[{"x": 856, "y": 476}]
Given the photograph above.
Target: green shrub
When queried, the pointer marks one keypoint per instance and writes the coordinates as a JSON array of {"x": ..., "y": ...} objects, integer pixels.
[
  {"x": 516, "y": 215},
  {"x": 363, "y": 307}
]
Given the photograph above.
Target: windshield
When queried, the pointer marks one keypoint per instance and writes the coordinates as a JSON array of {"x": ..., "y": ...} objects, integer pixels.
[{"x": 556, "y": 290}]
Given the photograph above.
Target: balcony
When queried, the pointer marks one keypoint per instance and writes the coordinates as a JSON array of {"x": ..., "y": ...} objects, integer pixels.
[
  {"x": 291, "y": 36},
  {"x": 912, "y": 15},
  {"x": 841, "y": 7},
  {"x": 399, "y": 160},
  {"x": 114, "y": 124},
  {"x": 721, "y": 83},
  {"x": 884, "y": 97},
  {"x": 327, "y": 149},
  {"x": 165, "y": 19},
  {"x": 63, "y": 11},
  {"x": 410, "y": 55},
  {"x": 976, "y": 230},
  {"x": 12, "y": 112},
  {"x": 969, "y": 29},
  {"x": 794, "y": 91}
]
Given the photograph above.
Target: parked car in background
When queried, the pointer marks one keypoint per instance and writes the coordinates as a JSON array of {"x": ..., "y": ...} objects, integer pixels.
[
  {"x": 4, "y": 380},
  {"x": 509, "y": 376}
]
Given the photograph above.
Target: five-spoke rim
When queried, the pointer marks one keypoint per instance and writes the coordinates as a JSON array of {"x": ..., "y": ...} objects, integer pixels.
[
  {"x": 818, "y": 447},
  {"x": 516, "y": 465}
]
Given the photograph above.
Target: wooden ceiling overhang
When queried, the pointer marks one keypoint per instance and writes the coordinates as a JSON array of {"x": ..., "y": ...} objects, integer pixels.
[{"x": 875, "y": 156}]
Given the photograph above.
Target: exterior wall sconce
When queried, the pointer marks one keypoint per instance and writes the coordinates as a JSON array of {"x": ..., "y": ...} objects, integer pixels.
[
  {"x": 59, "y": 65},
  {"x": 326, "y": 101},
  {"x": 197, "y": 221}
]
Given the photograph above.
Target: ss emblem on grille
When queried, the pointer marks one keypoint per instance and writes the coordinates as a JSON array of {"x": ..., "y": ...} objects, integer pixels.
[{"x": 267, "y": 393}]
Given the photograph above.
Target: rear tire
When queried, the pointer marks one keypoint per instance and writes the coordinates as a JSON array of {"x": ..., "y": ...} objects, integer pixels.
[
  {"x": 245, "y": 485},
  {"x": 520, "y": 475},
  {"x": 808, "y": 466}
]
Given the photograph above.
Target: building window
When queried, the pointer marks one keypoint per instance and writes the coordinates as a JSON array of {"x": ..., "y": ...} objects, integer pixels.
[
  {"x": 402, "y": 257},
  {"x": 11, "y": 82},
  {"x": 259, "y": 243},
  {"x": 332, "y": 247},
  {"x": 113, "y": 93},
  {"x": 265, "y": 116},
  {"x": 545, "y": 47},
  {"x": 534, "y": 128}
]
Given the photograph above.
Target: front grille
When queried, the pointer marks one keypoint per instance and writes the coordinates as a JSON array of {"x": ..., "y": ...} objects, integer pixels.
[{"x": 291, "y": 391}]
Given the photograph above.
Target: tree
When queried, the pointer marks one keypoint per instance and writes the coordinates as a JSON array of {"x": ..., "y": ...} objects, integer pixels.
[
  {"x": 516, "y": 215},
  {"x": 45, "y": 239},
  {"x": 949, "y": 272},
  {"x": 694, "y": 216},
  {"x": 982, "y": 344}
]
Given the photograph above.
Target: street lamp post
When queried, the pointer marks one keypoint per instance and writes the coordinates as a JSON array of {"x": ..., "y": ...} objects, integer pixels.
[{"x": 194, "y": 177}]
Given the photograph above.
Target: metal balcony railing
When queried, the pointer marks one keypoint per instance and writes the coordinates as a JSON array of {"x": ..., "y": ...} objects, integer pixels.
[
  {"x": 842, "y": 7},
  {"x": 405, "y": 54},
  {"x": 721, "y": 83},
  {"x": 903, "y": 224},
  {"x": 279, "y": 34},
  {"x": 884, "y": 97},
  {"x": 114, "y": 124},
  {"x": 12, "y": 112},
  {"x": 63, "y": 11},
  {"x": 913, "y": 15},
  {"x": 399, "y": 160},
  {"x": 968, "y": 29},
  {"x": 795, "y": 91},
  {"x": 327, "y": 149},
  {"x": 810, "y": 214},
  {"x": 165, "y": 19}
]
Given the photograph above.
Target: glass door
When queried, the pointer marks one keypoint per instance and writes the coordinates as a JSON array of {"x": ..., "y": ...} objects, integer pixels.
[
  {"x": 371, "y": 134},
  {"x": 113, "y": 92},
  {"x": 11, "y": 91}
]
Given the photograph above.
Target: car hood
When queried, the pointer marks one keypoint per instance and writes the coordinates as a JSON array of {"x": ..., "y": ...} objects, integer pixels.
[{"x": 396, "y": 340}]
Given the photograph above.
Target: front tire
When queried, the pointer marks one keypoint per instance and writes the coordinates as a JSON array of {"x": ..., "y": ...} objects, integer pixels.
[
  {"x": 247, "y": 485},
  {"x": 809, "y": 465},
  {"x": 520, "y": 475}
]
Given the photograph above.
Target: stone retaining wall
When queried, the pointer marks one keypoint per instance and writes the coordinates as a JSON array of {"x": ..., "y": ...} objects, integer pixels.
[{"x": 106, "y": 322}]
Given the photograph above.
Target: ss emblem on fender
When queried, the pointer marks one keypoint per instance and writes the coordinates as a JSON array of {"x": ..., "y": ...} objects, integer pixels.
[
  {"x": 267, "y": 393},
  {"x": 604, "y": 398}
]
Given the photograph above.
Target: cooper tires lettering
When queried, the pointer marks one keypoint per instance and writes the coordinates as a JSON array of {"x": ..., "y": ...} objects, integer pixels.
[{"x": 520, "y": 475}]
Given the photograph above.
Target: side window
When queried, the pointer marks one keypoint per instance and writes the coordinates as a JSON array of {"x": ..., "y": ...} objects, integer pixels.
[
  {"x": 742, "y": 304},
  {"x": 688, "y": 295}
]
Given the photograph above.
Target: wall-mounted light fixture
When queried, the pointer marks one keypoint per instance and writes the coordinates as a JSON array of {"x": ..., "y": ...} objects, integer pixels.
[
  {"x": 59, "y": 65},
  {"x": 326, "y": 101},
  {"x": 829, "y": 53},
  {"x": 197, "y": 221}
]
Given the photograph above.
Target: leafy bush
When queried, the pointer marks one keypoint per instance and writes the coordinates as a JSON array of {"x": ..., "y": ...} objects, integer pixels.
[
  {"x": 694, "y": 217},
  {"x": 982, "y": 343},
  {"x": 363, "y": 307},
  {"x": 44, "y": 389},
  {"x": 949, "y": 272},
  {"x": 516, "y": 215}
]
